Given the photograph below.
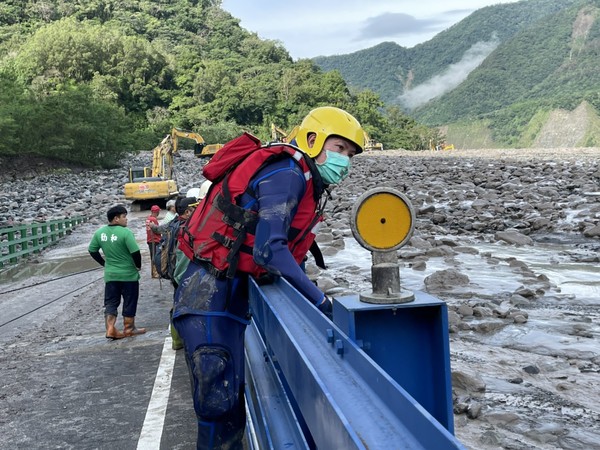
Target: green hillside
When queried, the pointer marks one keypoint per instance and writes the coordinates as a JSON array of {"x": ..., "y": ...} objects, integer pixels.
[
  {"x": 528, "y": 59},
  {"x": 549, "y": 66},
  {"x": 389, "y": 69},
  {"x": 92, "y": 79},
  {"x": 510, "y": 73},
  {"x": 380, "y": 69}
]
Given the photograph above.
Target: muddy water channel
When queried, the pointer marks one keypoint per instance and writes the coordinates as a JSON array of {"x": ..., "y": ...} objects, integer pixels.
[{"x": 511, "y": 245}]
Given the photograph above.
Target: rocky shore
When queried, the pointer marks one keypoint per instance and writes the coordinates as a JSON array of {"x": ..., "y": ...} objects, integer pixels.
[
  {"x": 502, "y": 236},
  {"x": 38, "y": 190},
  {"x": 495, "y": 233}
]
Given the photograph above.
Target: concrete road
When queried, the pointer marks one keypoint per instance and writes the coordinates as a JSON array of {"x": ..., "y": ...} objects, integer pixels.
[{"x": 63, "y": 385}]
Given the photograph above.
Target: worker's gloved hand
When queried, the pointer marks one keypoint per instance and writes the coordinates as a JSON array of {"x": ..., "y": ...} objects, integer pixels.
[{"x": 326, "y": 307}]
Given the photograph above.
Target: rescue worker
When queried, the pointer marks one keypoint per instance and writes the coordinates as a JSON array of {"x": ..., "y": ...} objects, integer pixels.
[
  {"x": 171, "y": 213},
  {"x": 211, "y": 307},
  {"x": 182, "y": 261},
  {"x": 184, "y": 206},
  {"x": 152, "y": 237}
]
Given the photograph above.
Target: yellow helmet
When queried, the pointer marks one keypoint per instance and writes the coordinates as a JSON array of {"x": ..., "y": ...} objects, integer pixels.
[{"x": 324, "y": 122}]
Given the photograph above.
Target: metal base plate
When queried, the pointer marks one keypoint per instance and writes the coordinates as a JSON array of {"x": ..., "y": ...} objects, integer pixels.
[{"x": 403, "y": 296}]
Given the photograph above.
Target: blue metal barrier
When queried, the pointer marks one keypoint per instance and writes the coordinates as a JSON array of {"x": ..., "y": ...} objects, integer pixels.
[
  {"x": 311, "y": 386},
  {"x": 410, "y": 342}
]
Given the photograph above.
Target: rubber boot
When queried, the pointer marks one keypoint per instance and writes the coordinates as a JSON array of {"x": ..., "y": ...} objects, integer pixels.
[
  {"x": 177, "y": 341},
  {"x": 111, "y": 330},
  {"x": 129, "y": 328}
]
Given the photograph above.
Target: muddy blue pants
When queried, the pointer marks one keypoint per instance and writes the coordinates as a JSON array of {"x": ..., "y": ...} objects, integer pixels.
[{"x": 211, "y": 316}]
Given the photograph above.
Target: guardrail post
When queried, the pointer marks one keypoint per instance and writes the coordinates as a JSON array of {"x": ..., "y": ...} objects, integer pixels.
[
  {"x": 25, "y": 246},
  {"x": 53, "y": 234},
  {"x": 12, "y": 248},
  {"x": 35, "y": 240},
  {"x": 410, "y": 341},
  {"x": 44, "y": 229}
]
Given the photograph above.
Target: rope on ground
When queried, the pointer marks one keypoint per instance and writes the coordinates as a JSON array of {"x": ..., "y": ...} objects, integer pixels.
[
  {"x": 51, "y": 301},
  {"x": 48, "y": 281}
]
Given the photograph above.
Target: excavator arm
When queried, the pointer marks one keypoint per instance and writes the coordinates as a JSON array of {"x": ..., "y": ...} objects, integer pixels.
[
  {"x": 178, "y": 133},
  {"x": 201, "y": 148},
  {"x": 277, "y": 134},
  {"x": 146, "y": 188},
  {"x": 162, "y": 159}
]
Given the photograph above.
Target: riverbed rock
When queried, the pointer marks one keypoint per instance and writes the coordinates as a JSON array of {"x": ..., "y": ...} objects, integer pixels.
[
  {"x": 514, "y": 237},
  {"x": 467, "y": 383},
  {"x": 445, "y": 279}
]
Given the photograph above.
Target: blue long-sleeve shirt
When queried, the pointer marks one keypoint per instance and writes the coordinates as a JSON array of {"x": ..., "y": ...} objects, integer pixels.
[{"x": 279, "y": 187}]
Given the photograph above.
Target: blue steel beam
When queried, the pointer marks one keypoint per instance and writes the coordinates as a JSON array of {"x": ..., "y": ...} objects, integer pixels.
[
  {"x": 273, "y": 424},
  {"x": 346, "y": 400}
]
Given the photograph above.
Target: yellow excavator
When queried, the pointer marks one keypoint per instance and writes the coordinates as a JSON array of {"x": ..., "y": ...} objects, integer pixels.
[
  {"x": 277, "y": 134},
  {"x": 372, "y": 144},
  {"x": 440, "y": 145},
  {"x": 155, "y": 185}
]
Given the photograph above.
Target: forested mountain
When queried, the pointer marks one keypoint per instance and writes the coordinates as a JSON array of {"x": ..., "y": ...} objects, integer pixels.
[
  {"x": 91, "y": 79},
  {"x": 500, "y": 71},
  {"x": 550, "y": 65},
  {"x": 389, "y": 69},
  {"x": 88, "y": 80}
]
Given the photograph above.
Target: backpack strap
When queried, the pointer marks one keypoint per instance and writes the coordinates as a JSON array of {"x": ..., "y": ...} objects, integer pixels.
[{"x": 297, "y": 154}]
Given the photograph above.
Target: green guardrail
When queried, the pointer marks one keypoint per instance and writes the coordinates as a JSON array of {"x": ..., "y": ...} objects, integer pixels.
[{"x": 22, "y": 240}]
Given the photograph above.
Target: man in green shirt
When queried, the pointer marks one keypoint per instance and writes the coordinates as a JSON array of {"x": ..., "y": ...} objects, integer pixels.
[{"x": 122, "y": 262}]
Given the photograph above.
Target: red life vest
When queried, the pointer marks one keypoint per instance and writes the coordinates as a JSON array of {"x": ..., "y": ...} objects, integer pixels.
[{"x": 220, "y": 233}]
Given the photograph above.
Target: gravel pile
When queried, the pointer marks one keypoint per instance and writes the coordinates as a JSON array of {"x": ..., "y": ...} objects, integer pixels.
[{"x": 38, "y": 193}]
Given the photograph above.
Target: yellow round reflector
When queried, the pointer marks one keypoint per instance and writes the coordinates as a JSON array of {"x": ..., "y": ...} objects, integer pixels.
[{"x": 383, "y": 219}]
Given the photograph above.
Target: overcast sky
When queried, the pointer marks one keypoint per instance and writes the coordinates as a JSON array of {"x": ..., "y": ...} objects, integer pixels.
[{"x": 309, "y": 28}]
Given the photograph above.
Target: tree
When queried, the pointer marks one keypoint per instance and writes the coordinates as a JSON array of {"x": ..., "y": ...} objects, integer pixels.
[
  {"x": 14, "y": 105},
  {"x": 69, "y": 123},
  {"x": 129, "y": 66},
  {"x": 367, "y": 108}
]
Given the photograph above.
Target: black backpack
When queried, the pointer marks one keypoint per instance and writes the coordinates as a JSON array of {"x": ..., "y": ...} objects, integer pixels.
[{"x": 165, "y": 258}]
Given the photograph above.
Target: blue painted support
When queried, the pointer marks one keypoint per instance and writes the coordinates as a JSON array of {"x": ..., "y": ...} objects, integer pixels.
[
  {"x": 410, "y": 342},
  {"x": 272, "y": 421},
  {"x": 344, "y": 398}
]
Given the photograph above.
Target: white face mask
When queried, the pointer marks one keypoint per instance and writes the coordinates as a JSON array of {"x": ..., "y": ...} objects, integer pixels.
[{"x": 335, "y": 168}]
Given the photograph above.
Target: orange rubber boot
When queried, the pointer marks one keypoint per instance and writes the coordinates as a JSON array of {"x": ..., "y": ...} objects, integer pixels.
[
  {"x": 111, "y": 330},
  {"x": 129, "y": 328}
]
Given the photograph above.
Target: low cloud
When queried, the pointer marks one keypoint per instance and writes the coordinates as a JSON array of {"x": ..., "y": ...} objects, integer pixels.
[
  {"x": 390, "y": 25},
  {"x": 451, "y": 77}
]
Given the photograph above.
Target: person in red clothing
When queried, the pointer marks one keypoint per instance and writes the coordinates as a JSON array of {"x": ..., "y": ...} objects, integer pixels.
[{"x": 152, "y": 237}]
